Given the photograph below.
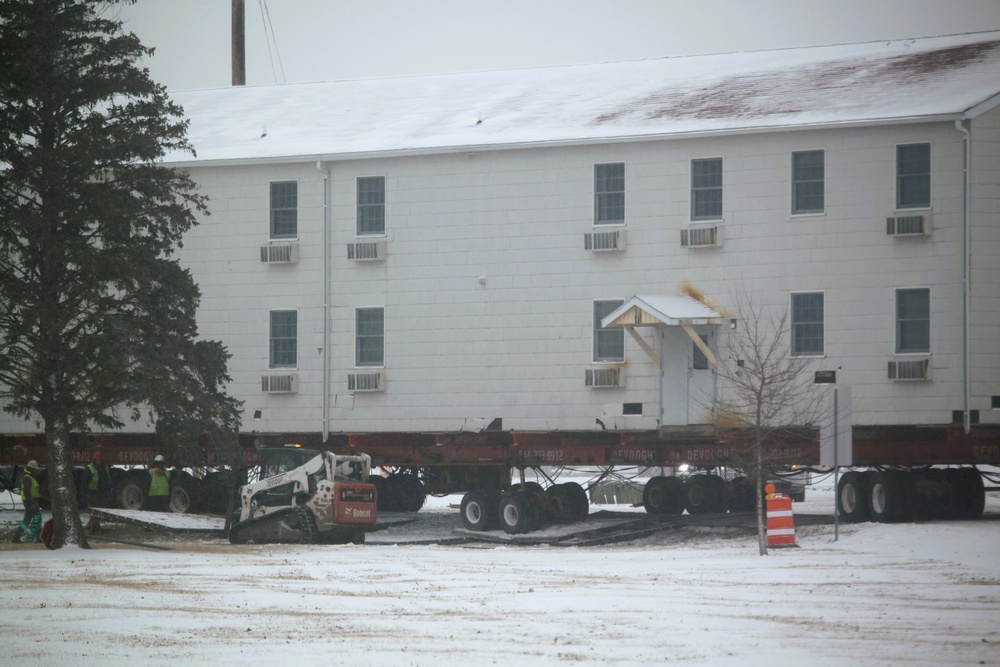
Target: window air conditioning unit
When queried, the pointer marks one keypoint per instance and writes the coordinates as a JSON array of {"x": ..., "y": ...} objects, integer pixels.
[
  {"x": 280, "y": 253},
  {"x": 604, "y": 241},
  {"x": 279, "y": 384},
  {"x": 366, "y": 382},
  {"x": 603, "y": 378},
  {"x": 701, "y": 237},
  {"x": 366, "y": 251},
  {"x": 908, "y": 225},
  {"x": 918, "y": 369}
]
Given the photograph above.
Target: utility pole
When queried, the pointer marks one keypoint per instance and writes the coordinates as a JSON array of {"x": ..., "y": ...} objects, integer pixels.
[{"x": 239, "y": 43}]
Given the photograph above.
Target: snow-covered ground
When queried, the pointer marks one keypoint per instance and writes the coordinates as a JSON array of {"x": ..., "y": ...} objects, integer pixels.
[{"x": 915, "y": 594}]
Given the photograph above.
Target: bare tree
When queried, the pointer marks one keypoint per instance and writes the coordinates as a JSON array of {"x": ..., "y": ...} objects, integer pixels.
[{"x": 765, "y": 392}]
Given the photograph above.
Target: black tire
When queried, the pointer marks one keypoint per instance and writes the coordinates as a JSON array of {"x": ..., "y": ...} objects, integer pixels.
[
  {"x": 408, "y": 491},
  {"x": 533, "y": 487},
  {"x": 888, "y": 497},
  {"x": 720, "y": 494},
  {"x": 852, "y": 497},
  {"x": 131, "y": 495},
  {"x": 973, "y": 494},
  {"x": 663, "y": 496},
  {"x": 560, "y": 504},
  {"x": 479, "y": 510},
  {"x": 579, "y": 502},
  {"x": 741, "y": 495},
  {"x": 182, "y": 499},
  {"x": 385, "y": 498},
  {"x": 699, "y": 493},
  {"x": 517, "y": 513}
]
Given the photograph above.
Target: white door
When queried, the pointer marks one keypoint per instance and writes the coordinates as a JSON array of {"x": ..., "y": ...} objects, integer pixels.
[{"x": 688, "y": 380}]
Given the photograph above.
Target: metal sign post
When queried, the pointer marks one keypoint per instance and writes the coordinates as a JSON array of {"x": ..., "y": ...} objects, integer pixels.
[{"x": 836, "y": 445}]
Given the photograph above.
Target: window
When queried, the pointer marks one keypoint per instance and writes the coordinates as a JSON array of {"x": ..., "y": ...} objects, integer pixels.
[
  {"x": 371, "y": 205},
  {"x": 807, "y": 182},
  {"x": 913, "y": 176},
  {"x": 284, "y": 338},
  {"x": 706, "y": 189},
  {"x": 913, "y": 321},
  {"x": 807, "y": 324},
  {"x": 284, "y": 210},
  {"x": 699, "y": 361},
  {"x": 609, "y": 344},
  {"x": 609, "y": 194},
  {"x": 370, "y": 345}
]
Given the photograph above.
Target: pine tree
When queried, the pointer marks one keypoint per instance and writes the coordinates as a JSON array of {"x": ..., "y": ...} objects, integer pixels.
[{"x": 97, "y": 319}]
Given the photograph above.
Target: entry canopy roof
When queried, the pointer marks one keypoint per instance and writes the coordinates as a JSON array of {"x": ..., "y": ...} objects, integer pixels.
[{"x": 641, "y": 311}]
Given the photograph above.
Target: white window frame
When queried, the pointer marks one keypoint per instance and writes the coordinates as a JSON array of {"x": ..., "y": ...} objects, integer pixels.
[
  {"x": 600, "y": 332},
  {"x": 369, "y": 206},
  {"x": 793, "y": 325},
  {"x": 599, "y": 194},
  {"x": 900, "y": 323},
  {"x": 695, "y": 189},
  {"x": 796, "y": 209},
  {"x": 904, "y": 206},
  {"x": 272, "y": 339},
  {"x": 358, "y": 337},
  {"x": 272, "y": 209}
]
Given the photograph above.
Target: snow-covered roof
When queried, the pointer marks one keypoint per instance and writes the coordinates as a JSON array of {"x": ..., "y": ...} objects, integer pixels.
[
  {"x": 878, "y": 82},
  {"x": 669, "y": 310}
]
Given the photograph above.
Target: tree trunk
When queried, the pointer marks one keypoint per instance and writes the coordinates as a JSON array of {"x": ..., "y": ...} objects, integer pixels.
[
  {"x": 62, "y": 489},
  {"x": 761, "y": 481}
]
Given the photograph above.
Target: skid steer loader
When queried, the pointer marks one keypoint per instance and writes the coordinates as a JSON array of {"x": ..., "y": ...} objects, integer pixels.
[{"x": 306, "y": 496}]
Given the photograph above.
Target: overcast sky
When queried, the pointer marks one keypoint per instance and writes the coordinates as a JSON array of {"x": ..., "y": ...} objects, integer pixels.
[{"x": 312, "y": 40}]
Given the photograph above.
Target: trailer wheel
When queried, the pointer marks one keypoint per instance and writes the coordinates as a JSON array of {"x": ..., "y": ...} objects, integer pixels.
[
  {"x": 719, "y": 497},
  {"x": 517, "y": 512},
  {"x": 181, "y": 499},
  {"x": 385, "y": 499},
  {"x": 408, "y": 491},
  {"x": 741, "y": 495},
  {"x": 698, "y": 494},
  {"x": 852, "y": 497},
  {"x": 479, "y": 510},
  {"x": 972, "y": 494},
  {"x": 131, "y": 495},
  {"x": 561, "y": 504},
  {"x": 579, "y": 503},
  {"x": 888, "y": 497},
  {"x": 663, "y": 496}
]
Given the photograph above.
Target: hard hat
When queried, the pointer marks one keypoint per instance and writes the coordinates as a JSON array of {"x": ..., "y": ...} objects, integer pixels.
[
  {"x": 98, "y": 456},
  {"x": 33, "y": 464},
  {"x": 158, "y": 459}
]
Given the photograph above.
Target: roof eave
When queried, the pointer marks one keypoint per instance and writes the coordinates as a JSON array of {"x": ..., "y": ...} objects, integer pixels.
[{"x": 588, "y": 141}]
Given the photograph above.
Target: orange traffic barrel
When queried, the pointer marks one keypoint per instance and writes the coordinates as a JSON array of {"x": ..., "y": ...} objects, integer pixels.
[{"x": 780, "y": 522}]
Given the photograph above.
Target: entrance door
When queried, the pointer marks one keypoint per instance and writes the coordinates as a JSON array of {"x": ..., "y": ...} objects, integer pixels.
[{"x": 688, "y": 378}]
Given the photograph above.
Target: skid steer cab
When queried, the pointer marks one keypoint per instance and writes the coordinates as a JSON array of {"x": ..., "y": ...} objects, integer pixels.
[{"x": 305, "y": 496}]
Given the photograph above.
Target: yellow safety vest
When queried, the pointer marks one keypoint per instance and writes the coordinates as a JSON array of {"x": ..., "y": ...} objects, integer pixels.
[
  {"x": 159, "y": 484},
  {"x": 32, "y": 492},
  {"x": 94, "y": 479}
]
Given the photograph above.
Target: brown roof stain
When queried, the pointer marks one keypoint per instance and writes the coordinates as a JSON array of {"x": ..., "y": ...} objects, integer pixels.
[{"x": 774, "y": 93}]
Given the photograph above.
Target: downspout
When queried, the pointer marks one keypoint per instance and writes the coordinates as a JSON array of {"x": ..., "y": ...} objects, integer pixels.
[
  {"x": 326, "y": 299},
  {"x": 966, "y": 269}
]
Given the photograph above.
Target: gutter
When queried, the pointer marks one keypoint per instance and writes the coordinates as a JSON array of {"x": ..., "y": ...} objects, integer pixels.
[
  {"x": 325, "y": 170},
  {"x": 961, "y": 126}
]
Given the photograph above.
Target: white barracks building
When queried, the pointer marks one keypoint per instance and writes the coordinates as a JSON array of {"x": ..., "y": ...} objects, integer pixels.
[{"x": 437, "y": 254}]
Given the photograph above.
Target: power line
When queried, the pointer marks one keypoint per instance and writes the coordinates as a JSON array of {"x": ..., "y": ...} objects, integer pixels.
[{"x": 269, "y": 37}]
